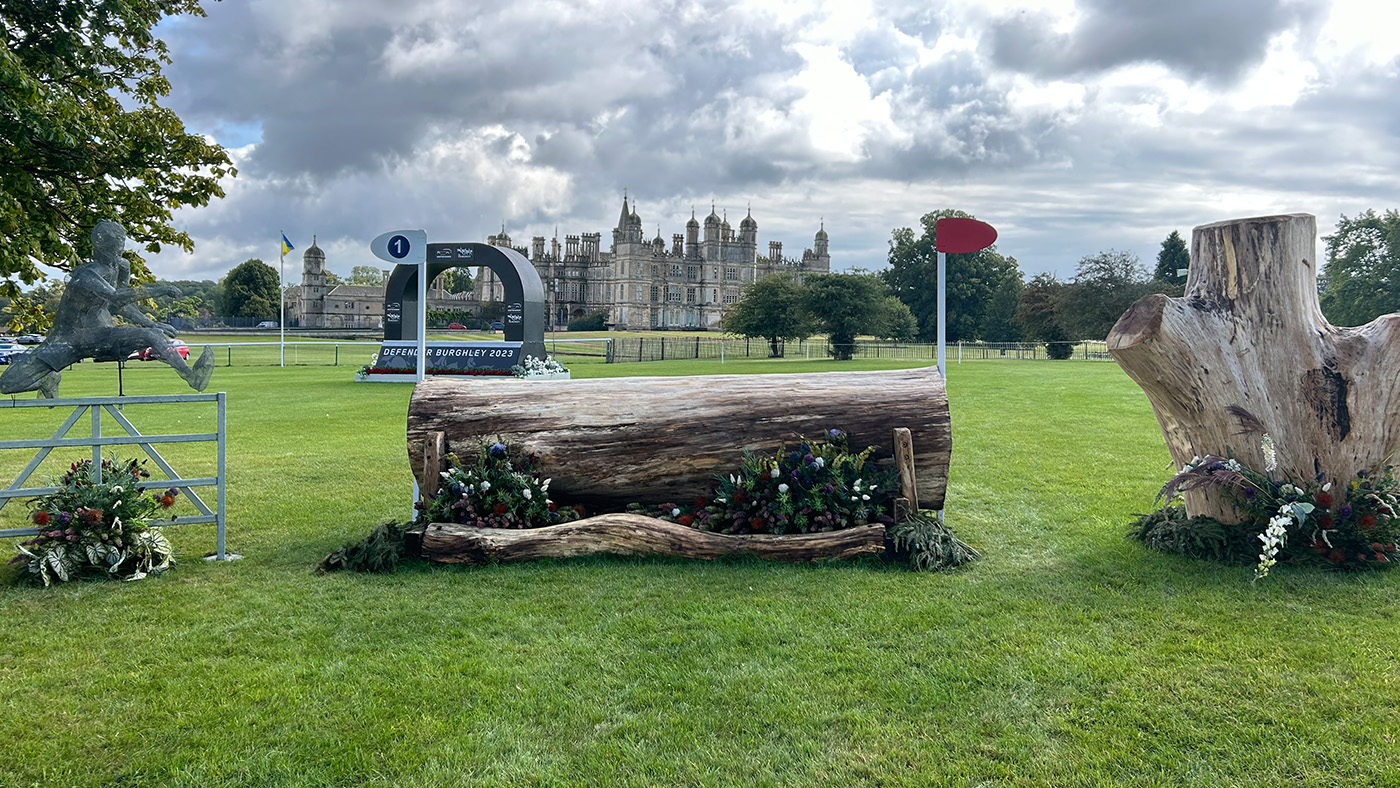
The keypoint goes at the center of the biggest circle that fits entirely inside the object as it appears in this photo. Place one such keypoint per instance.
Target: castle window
(730, 297)
(692, 273)
(655, 270)
(573, 291)
(655, 293)
(673, 294)
(675, 269)
(690, 295)
(715, 296)
(731, 274)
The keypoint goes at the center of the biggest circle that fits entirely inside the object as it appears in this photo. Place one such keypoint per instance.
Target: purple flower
(1363, 473)
(809, 460)
(1249, 493)
(64, 518)
(1345, 511)
(835, 434)
(498, 449)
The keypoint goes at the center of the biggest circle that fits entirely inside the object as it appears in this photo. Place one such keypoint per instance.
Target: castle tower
(775, 252)
(537, 247)
(748, 235)
(692, 235)
(821, 262)
(313, 286)
(712, 236)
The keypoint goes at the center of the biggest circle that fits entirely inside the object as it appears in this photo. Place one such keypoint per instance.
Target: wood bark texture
(610, 442)
(1247, 352)
(632, 534)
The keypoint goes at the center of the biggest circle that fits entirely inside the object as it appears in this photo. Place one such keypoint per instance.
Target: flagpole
(282, 297)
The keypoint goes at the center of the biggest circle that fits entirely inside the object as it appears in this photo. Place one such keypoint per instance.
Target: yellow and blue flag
(286, 245)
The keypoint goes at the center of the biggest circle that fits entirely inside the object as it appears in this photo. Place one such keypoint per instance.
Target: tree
(365, 275)
(999, 318)
(82, 136)
(1362, 271)
(773, 308)
(456, 280)
(250, 290)
(1104, 286)
(847, 305)
(1037, 314)
(896, 321)
(1173, 257)
(971, 279)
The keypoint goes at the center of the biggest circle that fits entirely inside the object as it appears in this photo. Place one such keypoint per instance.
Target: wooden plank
(904, 460)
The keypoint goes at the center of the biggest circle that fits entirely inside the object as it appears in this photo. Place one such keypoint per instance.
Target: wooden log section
(1247, 352)
(610, 442)
(632, 534)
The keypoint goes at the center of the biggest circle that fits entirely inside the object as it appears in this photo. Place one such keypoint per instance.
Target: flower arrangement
(806, 487)
(1349, 525)
(532, 367)
(495, 491)
(97, 528)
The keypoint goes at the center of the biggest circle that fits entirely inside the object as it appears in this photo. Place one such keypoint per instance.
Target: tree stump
(1247, 352)
(608, 442)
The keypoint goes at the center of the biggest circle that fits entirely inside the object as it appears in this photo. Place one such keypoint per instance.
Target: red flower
(167, 501)
(500, 508)
(702, 502)
(1324, 499)
(756, 523)
(1377, 546)
(1368, 521)
(578, 507)
(685, 519)
(1336, 556)
(553, 507)
(1381, 557)
(1326, 521)
(41, 517)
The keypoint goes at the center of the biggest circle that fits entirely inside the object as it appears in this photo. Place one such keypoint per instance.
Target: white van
(268, 324)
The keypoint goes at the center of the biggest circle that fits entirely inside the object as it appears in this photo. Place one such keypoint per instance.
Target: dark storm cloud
(1203, 39)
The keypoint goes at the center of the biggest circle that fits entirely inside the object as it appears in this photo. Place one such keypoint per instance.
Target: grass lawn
(1068, 656)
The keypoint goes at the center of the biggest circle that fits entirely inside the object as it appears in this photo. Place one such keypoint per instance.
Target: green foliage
(594, 321)
(1037, 314)
(1104, 286)
(1172, 258)
(250, 290)
(896, 322)
(1345, 525)
(379, 552)
(366, 275)
(807, 487)
(439, 318)
(97, 528)
(927, 545)
(33, 310)
(455, 280)
(971, 280)
(999, 320)
(1202, 538)
(495, 491)
(83, 137)
(1362, 272)
(847, 305)
(773, 308)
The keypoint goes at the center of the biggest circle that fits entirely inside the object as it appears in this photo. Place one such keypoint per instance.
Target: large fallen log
(631, 534)
(1247, 352)
(610, 442)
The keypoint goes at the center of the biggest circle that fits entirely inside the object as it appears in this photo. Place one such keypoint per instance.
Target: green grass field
(1068, 656)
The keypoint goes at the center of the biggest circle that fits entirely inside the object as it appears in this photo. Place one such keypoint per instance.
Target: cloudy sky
(1073, 126)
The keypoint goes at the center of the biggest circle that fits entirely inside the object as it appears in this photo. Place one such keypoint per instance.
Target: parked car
(268, 324)
(456, 327)
(10, 349)
(30, 339)
(150, 354)
(497, 325)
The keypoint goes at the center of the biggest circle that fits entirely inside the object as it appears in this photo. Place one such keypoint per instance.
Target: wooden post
(904, 460)
(434, 447)
(1247, 352)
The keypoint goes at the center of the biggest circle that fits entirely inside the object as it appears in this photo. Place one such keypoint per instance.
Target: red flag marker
(962, 236)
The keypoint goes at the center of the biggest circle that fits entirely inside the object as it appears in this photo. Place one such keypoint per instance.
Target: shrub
(1059, 351)
(807, 487)
(381, 551)
(495, 491)
(98, 529)
(1170, 530)
(927, 544)
(593, 321)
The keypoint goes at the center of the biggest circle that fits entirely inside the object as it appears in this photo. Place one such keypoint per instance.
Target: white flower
(871, 488)
(116, 488)
(526, 492)
(820, 462)
(782, 488)
(1270, 454)
(720, 500)
(854, 498)
(1233, 466)
(485, 485)
(1288, 489)
(775, 473)
(865, 497)
(1327, 487)
(446, 474)
(675, 512)
(545, 486)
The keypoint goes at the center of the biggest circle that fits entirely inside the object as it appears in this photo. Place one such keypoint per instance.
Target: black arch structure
(524, 292)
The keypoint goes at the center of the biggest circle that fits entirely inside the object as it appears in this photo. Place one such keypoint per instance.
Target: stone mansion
(647, 284)
(641, 284)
